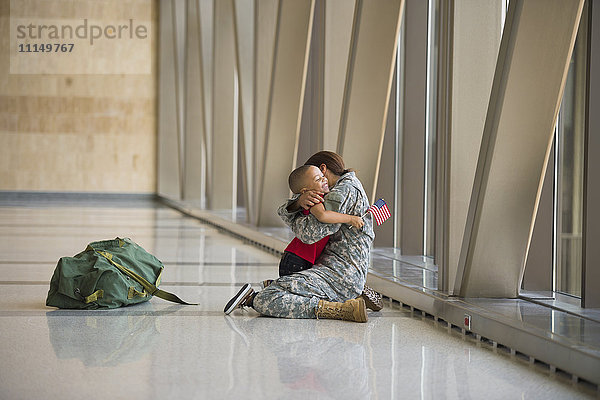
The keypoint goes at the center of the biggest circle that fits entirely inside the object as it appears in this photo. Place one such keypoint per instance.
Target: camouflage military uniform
(340, 271)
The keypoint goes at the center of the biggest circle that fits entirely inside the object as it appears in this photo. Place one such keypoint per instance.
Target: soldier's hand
(309, 199)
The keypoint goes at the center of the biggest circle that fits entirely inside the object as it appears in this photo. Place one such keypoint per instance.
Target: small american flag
(380, 211)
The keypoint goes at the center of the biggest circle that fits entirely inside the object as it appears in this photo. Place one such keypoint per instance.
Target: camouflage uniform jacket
(348, 248)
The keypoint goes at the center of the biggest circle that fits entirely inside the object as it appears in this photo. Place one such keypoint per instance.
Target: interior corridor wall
(79, 132)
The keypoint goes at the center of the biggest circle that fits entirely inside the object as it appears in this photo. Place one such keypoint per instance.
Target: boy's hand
(309, 198)
(356, 221)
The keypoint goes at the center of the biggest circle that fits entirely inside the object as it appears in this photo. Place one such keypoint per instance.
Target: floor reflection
(105, 338)
(323, 359)
(129, 338)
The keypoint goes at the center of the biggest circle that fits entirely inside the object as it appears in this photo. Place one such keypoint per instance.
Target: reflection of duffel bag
(107, 274)
(131, 337)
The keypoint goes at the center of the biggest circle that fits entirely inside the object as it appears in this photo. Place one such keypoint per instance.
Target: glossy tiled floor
(160, 350)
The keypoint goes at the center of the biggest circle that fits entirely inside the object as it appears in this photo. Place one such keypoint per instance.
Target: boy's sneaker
(241, 299)
(372, 299)
(267, 282)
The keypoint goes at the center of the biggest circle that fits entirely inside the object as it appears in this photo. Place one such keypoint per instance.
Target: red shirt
(309, 252)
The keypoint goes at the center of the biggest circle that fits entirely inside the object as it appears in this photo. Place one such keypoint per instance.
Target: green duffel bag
(107, 274)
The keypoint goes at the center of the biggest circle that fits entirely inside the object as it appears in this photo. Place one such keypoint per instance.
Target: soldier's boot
(350, 310)
(372, 299)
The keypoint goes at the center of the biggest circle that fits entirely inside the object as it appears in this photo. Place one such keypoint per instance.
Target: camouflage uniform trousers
(298, 295)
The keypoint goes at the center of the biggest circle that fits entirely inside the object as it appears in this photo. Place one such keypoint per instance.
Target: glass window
(569, 170)
(430, 128)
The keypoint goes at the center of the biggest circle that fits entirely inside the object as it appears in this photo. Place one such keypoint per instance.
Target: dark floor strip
(166, 263)
(107, 225)
(164, 283)
(123, 311)
(172, 311)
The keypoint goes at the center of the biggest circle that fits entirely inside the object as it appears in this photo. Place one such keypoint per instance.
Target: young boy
(299, 256)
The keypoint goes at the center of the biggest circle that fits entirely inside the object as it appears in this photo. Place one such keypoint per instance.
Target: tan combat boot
(351, 310)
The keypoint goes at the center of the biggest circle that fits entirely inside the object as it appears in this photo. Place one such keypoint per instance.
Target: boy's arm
(332, 217)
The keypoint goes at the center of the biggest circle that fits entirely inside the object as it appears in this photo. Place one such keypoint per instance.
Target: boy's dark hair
(296, 178)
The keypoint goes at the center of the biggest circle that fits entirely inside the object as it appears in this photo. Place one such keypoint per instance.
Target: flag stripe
(380, 211)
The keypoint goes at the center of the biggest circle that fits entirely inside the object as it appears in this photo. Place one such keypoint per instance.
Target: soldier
(332, 287)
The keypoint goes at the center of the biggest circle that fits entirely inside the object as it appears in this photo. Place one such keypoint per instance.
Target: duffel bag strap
(149, 287)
